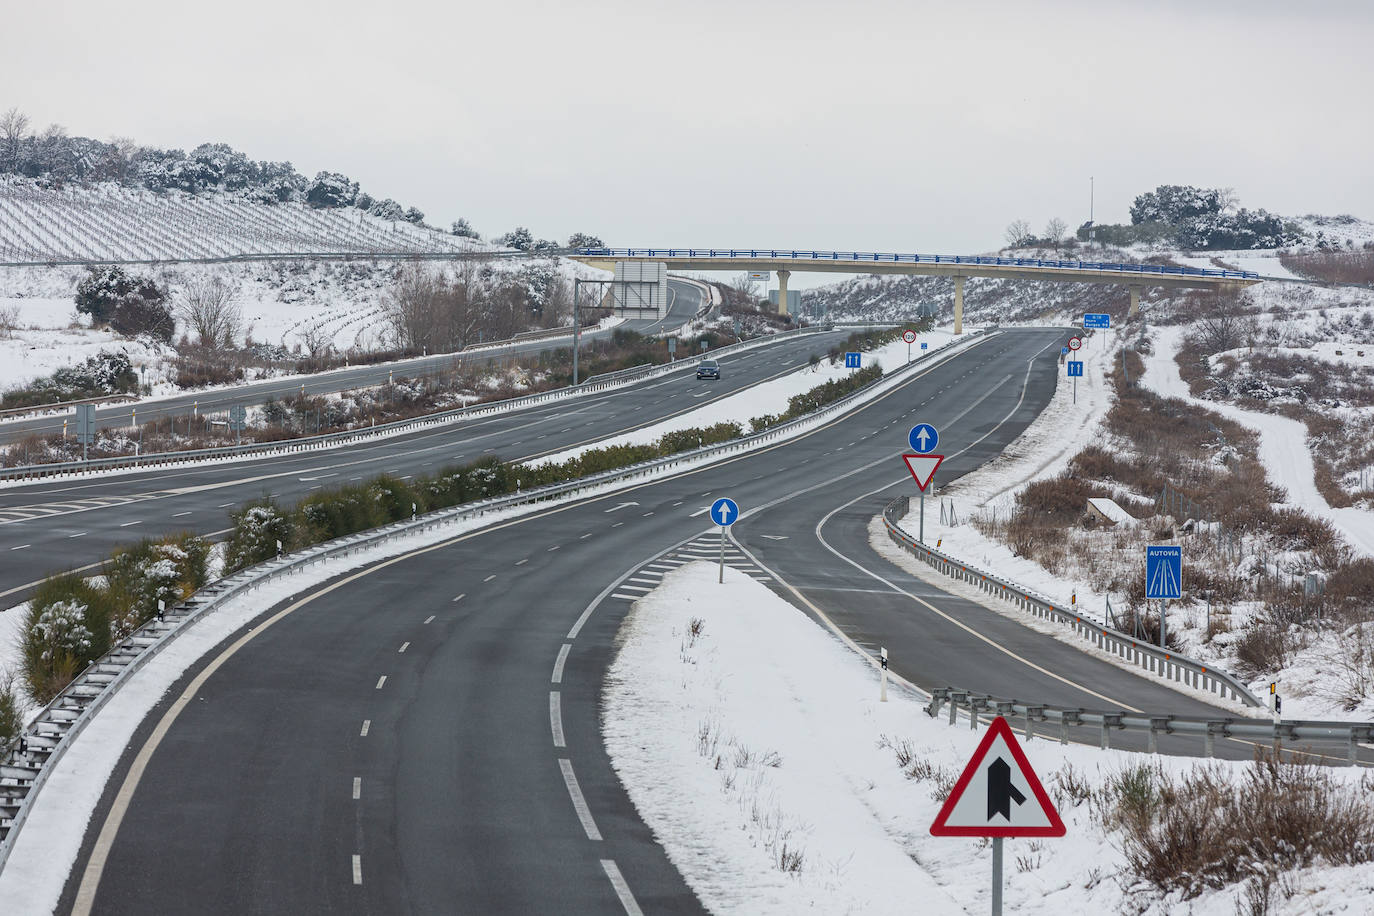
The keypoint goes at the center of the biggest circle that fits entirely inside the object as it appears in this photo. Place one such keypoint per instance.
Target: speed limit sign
(1075, 343)
(909, 336)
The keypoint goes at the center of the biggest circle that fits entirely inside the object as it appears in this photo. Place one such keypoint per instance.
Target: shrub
(68, 627)
(168, 570)
(11, 717)
(1262, 648)
(257, 528)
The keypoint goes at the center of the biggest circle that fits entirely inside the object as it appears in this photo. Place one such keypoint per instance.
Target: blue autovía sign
(1163, 572)
(1095, 320)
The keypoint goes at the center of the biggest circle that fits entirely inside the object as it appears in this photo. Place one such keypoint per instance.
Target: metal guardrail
(1125, 647)
(880, 257)
(418, 254)
(26, 764)
(58, 405)
(1309, 733)
(311, 443)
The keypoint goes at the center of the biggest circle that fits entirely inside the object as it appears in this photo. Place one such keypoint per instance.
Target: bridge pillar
(1135, 301)
(958, 305)
(782, 291)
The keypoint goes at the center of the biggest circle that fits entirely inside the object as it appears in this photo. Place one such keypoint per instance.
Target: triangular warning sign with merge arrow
(998, 794)
(922, 467)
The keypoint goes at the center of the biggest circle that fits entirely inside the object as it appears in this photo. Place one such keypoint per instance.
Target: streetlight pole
(1092, 221)
(577, 287)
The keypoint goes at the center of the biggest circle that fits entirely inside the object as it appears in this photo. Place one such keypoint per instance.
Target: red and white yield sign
(922, 467)
(998, 794)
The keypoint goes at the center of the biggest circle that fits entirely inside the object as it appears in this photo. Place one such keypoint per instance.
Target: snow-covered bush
(68, 626)
(169, 570)
(258, 527)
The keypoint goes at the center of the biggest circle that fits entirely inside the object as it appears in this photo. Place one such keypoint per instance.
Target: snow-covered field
(759, 742)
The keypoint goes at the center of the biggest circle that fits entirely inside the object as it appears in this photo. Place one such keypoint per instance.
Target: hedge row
(260, 526)
(73, 621)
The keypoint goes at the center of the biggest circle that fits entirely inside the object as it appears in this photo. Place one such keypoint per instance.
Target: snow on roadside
(690, 723)
(769, 397)
(1282, 447)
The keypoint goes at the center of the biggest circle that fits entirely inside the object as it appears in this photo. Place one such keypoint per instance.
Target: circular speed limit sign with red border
(1075, 343)
(909, 336)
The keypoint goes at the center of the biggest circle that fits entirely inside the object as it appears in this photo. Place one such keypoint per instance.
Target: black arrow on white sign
(1001, 793)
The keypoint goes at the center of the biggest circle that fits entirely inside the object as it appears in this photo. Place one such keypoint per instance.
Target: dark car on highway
(709, 368)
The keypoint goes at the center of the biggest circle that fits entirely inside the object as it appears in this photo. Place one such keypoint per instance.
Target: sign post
(672, 349)
(1163, 578)
(238, 419)
(910, 337)
(724, 512)
(923, 439)
(85, 428)
(998, 796)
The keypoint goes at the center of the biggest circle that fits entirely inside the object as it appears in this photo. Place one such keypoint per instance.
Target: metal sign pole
(922, 536)
(577, 286)
(722, 555)
(997, 876)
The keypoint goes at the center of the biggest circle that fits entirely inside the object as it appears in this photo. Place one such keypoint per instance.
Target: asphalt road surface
(686, 301)
(423, 734)
(49, 526)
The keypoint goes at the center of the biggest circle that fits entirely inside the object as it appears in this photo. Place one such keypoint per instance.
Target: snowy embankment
(1283, 444)
(769, 397)
(758, 753)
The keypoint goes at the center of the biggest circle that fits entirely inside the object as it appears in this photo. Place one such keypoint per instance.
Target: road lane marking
(367, 726)
(579, 803)
(522, 562)
(357, 787)
(554, 547)
(703, 510)
(461, 597)
(429, 619)
(556, 718)
(20, 547)
(380, 681)
(79, 534)
(617, 524)
(180, 514)
(489, 578)
(404, 646)
(622, 889)
(561, 661)
(127, 524)
(357, 869)
(587, 535)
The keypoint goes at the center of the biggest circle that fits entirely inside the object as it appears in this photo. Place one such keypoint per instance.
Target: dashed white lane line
(558, 665)
(522, 562)
(404, 646)
(367, 727)
(622, 889)
(357, 869)
(429, 619)
(587, 535)
(380, 681)
(702, 511)
(357, 787)
(556, 718)
(554, 547)
(127, 524)
(579, 803)
(617, 524)
(180, 514)
(489, 578)
(224, 505)
(79, 534)
(461, 597)
(20, 547)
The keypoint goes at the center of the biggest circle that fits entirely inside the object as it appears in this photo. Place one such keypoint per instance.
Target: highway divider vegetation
(72, 621)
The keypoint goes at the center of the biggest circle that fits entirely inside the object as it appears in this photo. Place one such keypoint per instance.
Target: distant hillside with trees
(1197, 219)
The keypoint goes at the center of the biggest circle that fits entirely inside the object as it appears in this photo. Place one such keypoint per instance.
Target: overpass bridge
(958, 267)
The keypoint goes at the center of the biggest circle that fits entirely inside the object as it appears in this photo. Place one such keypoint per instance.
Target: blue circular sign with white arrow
(923, 438)
(724, 511)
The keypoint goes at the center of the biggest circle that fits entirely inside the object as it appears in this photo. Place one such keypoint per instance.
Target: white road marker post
(882, 691)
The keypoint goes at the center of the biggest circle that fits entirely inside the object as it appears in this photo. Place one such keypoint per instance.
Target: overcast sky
(898, 126)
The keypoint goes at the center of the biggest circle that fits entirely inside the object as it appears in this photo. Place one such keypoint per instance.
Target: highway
(686, 301)
(48, 526)
(452, 656)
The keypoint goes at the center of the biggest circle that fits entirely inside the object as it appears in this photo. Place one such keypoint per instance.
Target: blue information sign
(1096, 320)
(724, 512)
(924, 345)
(1075, 367)
(851, 360)
(923, 438)
(1163, 572)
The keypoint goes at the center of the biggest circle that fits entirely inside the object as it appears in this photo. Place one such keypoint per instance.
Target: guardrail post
(1110, 720)
(975, 705)
(937, 699)
(1033, 714)
(1067, 718)
(1209, 741)
(1357, 733)
(954, 698)
(1157, 724)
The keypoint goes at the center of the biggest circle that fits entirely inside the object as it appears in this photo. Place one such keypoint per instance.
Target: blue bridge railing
(879, 257)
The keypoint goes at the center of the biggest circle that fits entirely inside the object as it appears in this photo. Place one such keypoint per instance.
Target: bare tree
(13, 126)
(315, 340)
(9, 320)
(1055, 229)
(1223, 323)
(412, 307)
(1018, 233)
(745, 287)
(209, 304)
